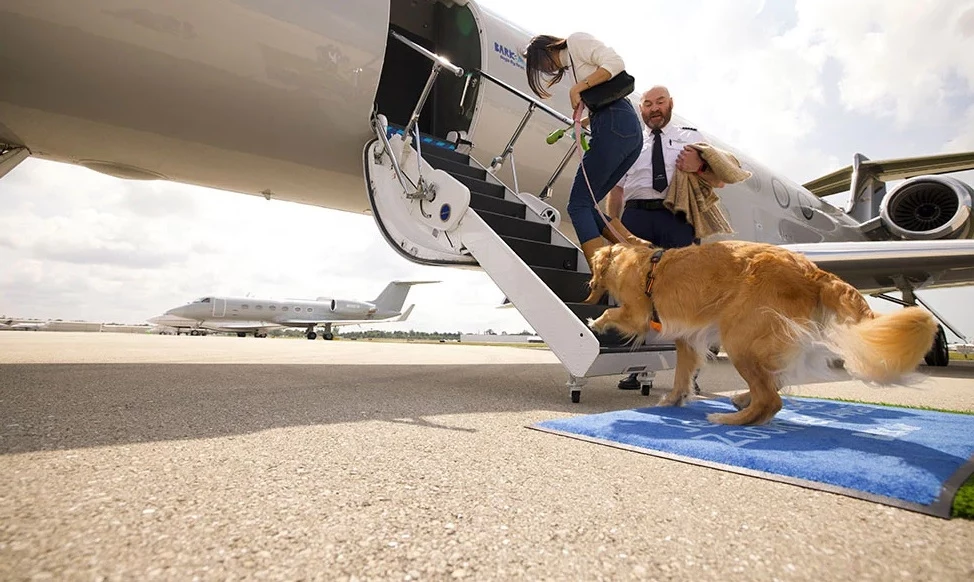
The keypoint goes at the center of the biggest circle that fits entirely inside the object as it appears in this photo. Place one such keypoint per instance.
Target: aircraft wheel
(194, 332)
(312, 335)
(241, 334)
(576, 396)
(645, 388)
(939, 354)
(329, 336)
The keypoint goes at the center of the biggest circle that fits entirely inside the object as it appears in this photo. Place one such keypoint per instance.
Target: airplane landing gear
(241, 334)
(328, 336)
(312, 335)
(939, 354)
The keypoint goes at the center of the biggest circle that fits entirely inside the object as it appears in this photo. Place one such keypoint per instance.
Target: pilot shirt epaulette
(689, 128)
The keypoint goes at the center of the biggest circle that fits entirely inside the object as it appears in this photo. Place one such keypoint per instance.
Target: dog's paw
(596, 324)
(673, 399)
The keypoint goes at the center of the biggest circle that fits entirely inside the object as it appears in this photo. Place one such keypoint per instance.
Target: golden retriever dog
(771, 309)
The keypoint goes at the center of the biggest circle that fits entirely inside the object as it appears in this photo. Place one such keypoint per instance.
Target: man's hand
(689, 160)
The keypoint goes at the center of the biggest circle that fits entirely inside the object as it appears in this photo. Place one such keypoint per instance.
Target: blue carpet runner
(913, 459)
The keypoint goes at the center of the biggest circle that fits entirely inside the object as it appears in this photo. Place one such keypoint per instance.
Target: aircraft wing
(895, 169)
(875, 266)
(337, 322)
(238, 325)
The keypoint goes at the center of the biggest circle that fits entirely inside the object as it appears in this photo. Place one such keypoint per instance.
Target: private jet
(255, 316)
(412, 111)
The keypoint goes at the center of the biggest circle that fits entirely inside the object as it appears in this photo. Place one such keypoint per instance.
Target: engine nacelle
(352, 308)
(929, 208)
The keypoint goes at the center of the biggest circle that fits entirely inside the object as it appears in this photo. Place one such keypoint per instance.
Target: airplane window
(259, 307)
(297, 309)
(206, 300)
(284, 308)
(244, 306)
(273, 308)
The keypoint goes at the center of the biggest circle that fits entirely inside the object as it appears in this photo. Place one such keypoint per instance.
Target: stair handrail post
(549, 185)
(414, 118)
(380, 130)
(498, 161)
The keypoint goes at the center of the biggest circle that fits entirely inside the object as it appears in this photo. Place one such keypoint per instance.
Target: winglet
(405, 314)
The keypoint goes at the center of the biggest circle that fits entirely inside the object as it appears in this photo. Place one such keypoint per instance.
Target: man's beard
(665, 119)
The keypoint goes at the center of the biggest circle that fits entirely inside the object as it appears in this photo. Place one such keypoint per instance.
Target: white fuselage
(274, 99)
(277, 312)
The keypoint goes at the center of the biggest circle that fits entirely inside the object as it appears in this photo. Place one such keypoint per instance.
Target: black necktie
(659, 168)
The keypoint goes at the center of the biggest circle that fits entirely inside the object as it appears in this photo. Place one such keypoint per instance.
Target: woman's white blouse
(589, 53)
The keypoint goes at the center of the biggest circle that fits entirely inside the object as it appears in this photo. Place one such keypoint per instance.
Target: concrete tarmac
(177, 458)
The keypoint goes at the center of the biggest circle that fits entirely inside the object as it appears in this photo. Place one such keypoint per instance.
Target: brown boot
(627, 237)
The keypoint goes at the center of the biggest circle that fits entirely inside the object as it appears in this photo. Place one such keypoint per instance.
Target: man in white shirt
(644, 187)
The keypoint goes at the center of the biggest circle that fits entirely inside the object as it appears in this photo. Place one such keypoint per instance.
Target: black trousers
(650, 220)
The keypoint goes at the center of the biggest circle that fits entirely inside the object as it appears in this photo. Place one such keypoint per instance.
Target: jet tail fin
(394, 295)
(840, 181)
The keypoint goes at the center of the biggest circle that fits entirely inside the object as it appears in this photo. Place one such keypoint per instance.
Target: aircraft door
(219, 307)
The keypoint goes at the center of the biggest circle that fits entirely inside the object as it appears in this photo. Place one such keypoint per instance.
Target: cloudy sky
(800, 85)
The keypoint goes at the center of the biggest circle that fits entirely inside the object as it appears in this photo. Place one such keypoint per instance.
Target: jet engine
(929, 208)
(352, 308)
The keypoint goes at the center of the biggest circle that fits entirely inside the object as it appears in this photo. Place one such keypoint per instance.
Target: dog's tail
(880, 348)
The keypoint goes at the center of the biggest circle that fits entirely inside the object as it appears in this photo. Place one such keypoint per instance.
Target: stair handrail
(443, 61)
(439, 62)
(525, 97)
(533, 104)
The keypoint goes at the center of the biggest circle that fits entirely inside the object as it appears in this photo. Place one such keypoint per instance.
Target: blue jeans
(617, 140)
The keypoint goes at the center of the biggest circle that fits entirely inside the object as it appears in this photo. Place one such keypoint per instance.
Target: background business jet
(256, 316)
(418, 113)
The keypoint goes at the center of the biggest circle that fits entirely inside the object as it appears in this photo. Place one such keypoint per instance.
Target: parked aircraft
(22, 325)
(255, 316)
(425, 102)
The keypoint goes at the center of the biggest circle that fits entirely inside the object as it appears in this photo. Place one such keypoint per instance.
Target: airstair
(437, 206)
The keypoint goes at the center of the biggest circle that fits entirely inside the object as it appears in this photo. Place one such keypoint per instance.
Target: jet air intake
(929, 208)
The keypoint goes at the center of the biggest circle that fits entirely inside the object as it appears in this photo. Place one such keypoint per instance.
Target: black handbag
(597, 97)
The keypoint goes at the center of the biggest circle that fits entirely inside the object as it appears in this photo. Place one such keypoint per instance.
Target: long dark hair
(540, 63)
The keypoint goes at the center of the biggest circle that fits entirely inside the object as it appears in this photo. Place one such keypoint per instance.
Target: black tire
(939, 354)
(329, 336)
(312, 335)
(576, 396)
(645, 388)
(194, 332)
(241, 334)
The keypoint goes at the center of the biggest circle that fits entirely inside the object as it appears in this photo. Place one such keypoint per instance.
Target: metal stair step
(612, 342)
(536, 254)
(497, 205)
(517, 227)
(570, 286)
(481, 186)
(455, 168)
(444, 154)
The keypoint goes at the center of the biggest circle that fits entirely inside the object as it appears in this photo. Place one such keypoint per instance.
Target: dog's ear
(601, 260)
